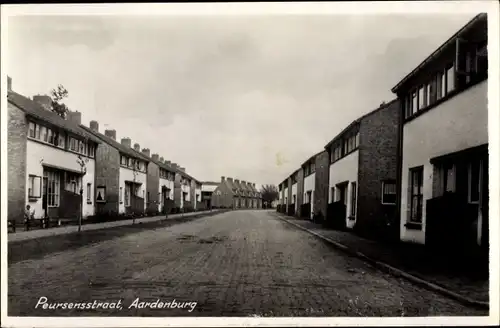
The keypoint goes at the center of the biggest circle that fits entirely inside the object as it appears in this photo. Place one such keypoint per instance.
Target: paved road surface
(239, 263)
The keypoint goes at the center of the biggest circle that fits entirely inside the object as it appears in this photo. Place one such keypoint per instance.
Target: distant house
(236, 194)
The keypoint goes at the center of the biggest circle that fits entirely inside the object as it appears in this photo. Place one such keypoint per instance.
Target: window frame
(420, 195)
(383, 193)
(89, 193)
(31, 180)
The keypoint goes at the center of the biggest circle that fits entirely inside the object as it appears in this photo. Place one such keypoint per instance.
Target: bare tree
(269, 193)
(57, 106)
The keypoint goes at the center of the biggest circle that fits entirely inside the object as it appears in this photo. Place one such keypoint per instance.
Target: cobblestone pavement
(239, 263)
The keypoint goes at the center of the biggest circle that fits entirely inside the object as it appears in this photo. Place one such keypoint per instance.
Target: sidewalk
(404, 260)
(39, 233)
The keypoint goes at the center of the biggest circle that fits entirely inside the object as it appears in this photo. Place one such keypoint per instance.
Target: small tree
(269, 193)
(57, 106)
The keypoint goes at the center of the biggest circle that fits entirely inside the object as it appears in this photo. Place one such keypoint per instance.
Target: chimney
(244, 183)
(155, 157)
(75, 117)
(222, 179)
(9, 83)
(137, 147)
(146, 151)
(126, 142)
(236, 181)
(161, 159)
(168, 162)
(230, 179)
(253, 184)
(182, 169)
(110, 133)
(43, 100)
(94, 125)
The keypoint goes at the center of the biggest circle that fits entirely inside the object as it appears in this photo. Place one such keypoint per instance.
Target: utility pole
(83, 170)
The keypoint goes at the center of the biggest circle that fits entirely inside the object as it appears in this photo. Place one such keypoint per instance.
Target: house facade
(308, 190)
(51, 160)
(121, 174)
(233, 193)
(207, 189)
(443, 172)
(363, 170)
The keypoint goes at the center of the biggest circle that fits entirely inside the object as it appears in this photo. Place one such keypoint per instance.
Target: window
(448, 174)
(91, 150)
(416, 196)
(389, 192)
(408, 104)
(34, 186)
(313, 167)
(332, 194)
(53, 188)
(89, 192)
(294, 199)
(473, 189)
(432, 92)
(450, 79)
(61, 143)
(147, 197)
(127, 195)
(72, 182)
(32, 130)
(43, 133)
(120, 196)
(50, 136)
(414, 102)
(123, 160)
(353, 199)
(130, 162)
(421, 98)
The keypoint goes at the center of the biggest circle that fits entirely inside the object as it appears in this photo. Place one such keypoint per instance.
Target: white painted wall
(38, 153)
(294, 193)
(169, 184)
(346, 169)
(208, 188)
(457, 124)
(128, 175)
(310, 185)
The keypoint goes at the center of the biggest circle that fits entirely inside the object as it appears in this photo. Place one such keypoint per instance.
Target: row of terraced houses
(414, 169)
(64, 169)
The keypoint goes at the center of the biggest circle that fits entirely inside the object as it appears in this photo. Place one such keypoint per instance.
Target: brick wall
(300, 190)
(152, 187)
(177, 190)
(107, 174)
(192, 194)
(321, 183)
(378, 156)
(16, 159)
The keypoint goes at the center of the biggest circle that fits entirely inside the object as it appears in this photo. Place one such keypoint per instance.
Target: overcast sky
(247, 97)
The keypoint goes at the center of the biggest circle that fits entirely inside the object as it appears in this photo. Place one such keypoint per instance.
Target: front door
(44, 196)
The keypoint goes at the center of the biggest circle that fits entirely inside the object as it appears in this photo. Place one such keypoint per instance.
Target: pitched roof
(210, 183)
(34, 109)
(482, 17)
(358, 120)
(115, 144)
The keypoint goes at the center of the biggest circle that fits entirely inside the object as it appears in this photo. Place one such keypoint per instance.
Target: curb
(396, 272)
(137, 223)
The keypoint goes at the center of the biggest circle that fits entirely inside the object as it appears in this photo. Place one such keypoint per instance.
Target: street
(238, 263)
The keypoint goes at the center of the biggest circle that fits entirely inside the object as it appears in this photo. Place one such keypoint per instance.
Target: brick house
(363, 171)
(443, 171)
(307, 183)
(319, 203)
(50, 161)
(236, 194)
(160, 183)
(121, 174)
